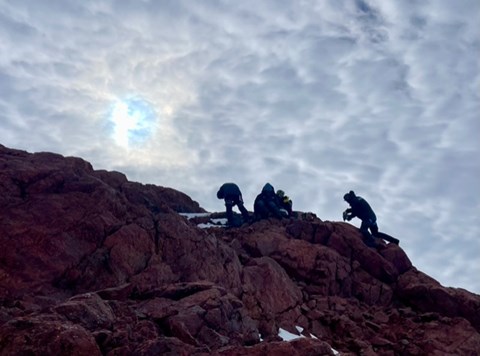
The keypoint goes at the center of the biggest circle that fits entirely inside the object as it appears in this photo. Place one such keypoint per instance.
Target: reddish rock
(46, 336)
(427, 295)
(94, 264)
(87, 310)
(264, 274)
(397, 257)
(120, 292)
(297, 347)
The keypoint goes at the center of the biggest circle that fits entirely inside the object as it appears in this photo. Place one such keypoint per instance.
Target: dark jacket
(267, 194)
(228, 190)
(359, 207)
(266, 203)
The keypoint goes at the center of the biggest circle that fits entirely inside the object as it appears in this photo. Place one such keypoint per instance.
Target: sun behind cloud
(145, 136)
(133, 122)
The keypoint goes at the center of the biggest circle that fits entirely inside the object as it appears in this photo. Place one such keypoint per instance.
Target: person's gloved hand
(347, 216)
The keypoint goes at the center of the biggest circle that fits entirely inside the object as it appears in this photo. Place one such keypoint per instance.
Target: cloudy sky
(315, 97)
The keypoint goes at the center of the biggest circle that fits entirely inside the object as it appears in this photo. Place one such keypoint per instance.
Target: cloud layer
(316, 98)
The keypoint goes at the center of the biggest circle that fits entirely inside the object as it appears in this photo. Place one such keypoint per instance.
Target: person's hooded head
(349, 196)
(268, 189)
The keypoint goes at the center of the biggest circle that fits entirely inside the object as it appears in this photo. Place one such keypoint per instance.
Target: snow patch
(288, 336)
(211, 223)
(219, 221)
(208, 225)
(194, 215)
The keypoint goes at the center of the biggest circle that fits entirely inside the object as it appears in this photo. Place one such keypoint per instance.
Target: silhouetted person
(230, 192)
(266, 203)
(361, 209)
(284, 202)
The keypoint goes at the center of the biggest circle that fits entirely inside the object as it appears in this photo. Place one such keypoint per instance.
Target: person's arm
(348, 214)
(351, 213)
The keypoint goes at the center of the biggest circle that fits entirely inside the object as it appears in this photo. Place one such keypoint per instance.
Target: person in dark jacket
(230, 192)
(361, 209)
(266, 203)
(284, 202)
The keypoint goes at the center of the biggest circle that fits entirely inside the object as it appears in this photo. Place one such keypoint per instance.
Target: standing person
(361, 209)
(230, 192)
(266, 203)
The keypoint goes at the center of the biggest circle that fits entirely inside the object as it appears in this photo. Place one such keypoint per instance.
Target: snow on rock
(194, 215)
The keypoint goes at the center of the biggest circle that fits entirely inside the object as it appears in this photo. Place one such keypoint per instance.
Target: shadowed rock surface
(92, 264)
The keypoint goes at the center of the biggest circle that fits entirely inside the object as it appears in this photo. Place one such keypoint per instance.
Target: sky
(315, 97)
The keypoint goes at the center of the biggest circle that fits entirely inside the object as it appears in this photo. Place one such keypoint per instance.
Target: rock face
(92, 264)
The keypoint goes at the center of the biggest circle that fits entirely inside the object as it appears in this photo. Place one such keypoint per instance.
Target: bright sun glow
(133, 121)
(124, 122)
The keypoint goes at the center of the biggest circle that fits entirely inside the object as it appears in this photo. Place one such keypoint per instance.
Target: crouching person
(266, 204)
(361, 209)
(284, 202)
(232, 196)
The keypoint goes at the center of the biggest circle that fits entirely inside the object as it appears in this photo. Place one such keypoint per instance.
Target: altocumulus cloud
(317, 98)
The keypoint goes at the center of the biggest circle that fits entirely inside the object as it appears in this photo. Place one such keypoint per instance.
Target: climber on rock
(232, 196)
(266, 204)
(284, 202)
(360, 208)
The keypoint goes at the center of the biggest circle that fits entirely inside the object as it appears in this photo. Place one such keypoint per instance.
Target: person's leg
(289, 210)
(245, 214)
(261, 211)
(238, 201)
(369, 240)
(386, 237)
(273, 209)
(228, 206)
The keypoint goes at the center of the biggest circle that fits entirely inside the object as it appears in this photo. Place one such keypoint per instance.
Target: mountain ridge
(95, 264)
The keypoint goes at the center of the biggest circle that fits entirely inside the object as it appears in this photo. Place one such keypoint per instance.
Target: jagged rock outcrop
(92, 264)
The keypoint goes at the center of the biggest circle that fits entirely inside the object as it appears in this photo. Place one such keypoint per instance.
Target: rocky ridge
(92, 263)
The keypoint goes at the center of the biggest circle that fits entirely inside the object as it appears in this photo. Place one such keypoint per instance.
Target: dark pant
(264, 209)
(369, 237)
(230, 202)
